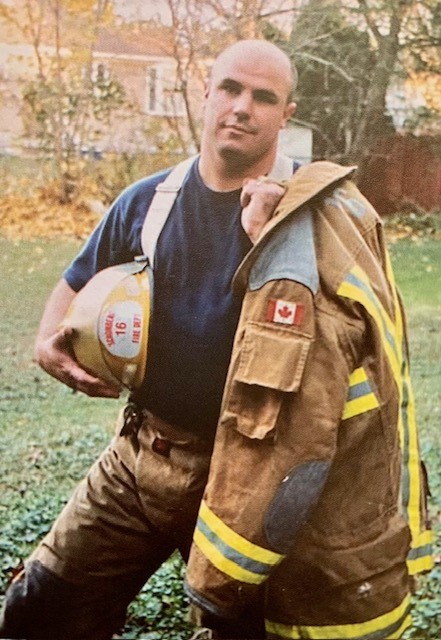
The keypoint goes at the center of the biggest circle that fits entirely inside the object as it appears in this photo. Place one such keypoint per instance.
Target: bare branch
(366, 12)
(327, 63)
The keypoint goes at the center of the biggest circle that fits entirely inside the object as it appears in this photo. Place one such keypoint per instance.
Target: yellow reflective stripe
(408, 439)
(407, 622)
(426, 537)
(375, 309)
(359, 405)
(397, 307)
(282, 630)
(413, 463)
(235, 540)
(412, 453)
(420, 565)
(357, 376)
(421, 555)
(365, 400)
(222, 563)
(357, 631)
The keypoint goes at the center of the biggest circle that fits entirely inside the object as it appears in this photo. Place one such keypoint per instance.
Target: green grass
(49, 436)
(418, 273)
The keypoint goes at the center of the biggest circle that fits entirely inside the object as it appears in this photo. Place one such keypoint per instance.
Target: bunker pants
(138, 503)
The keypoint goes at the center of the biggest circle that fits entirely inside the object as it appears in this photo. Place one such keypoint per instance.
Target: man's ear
(290, 110)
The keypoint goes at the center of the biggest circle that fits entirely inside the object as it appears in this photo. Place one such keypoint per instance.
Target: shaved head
(260, 51)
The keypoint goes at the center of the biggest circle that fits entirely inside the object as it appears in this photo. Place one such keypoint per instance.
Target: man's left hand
(259, 199)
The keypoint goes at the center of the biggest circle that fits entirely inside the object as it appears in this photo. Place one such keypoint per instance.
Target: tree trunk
(372, 120)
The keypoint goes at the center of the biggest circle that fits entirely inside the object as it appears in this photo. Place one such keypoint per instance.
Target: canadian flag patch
(285, 312)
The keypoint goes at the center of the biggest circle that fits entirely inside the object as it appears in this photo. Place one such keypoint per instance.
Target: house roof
(140, 42)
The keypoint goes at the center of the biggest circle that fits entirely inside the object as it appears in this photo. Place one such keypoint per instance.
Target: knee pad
(34, 602)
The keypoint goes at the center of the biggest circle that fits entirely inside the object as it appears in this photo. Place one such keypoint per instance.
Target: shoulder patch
(285, 312)
(288, 254)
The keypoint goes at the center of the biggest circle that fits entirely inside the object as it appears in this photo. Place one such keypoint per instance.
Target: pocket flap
(272, 357)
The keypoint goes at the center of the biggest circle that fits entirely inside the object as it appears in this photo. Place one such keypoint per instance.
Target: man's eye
(231, 87)
(265, 96)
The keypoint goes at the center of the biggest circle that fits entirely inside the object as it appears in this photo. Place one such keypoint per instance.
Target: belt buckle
(133, 417)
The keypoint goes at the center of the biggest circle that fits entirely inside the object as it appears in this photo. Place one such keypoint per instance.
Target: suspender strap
(282, 168)
(166, 194)
(160, 207)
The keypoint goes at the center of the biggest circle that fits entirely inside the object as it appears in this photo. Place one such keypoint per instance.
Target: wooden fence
(403, 171)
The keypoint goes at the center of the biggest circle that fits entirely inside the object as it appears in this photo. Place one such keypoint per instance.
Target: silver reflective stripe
(160, 207)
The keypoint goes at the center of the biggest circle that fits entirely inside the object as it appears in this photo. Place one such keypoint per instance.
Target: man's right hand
(53, 348)
(55, 355)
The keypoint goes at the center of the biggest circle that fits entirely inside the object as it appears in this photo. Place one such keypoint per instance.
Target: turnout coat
(316, 500)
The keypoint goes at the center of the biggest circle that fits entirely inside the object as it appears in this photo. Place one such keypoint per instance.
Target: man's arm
(53, 349)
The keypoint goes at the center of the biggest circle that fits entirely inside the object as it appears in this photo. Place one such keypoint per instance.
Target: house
(144, 64)
(141, 59)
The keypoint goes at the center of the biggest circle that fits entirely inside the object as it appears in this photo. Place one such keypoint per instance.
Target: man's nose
(243, 104)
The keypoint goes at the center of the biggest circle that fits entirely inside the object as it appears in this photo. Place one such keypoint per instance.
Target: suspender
(282, 168)
(167, 192)
(161, 205)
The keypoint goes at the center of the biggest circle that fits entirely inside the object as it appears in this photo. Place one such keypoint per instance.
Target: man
(301, 529)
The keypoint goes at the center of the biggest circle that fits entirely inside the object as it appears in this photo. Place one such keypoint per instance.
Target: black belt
(134, 416)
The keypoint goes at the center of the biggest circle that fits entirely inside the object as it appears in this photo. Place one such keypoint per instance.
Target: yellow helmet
(110, 316)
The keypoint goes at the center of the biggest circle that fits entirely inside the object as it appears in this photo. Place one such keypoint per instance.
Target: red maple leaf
(285, 312)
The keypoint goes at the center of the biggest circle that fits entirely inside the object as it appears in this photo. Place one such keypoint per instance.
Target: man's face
(246, 106)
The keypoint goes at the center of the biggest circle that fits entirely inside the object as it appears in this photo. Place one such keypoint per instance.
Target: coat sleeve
(283, 403)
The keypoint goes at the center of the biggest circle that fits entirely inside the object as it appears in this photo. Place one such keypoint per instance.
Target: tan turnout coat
(316, 499)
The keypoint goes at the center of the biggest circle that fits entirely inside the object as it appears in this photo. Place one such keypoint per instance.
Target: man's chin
(235, 156)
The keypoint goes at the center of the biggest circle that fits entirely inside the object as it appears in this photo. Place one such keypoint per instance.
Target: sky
(143, 9)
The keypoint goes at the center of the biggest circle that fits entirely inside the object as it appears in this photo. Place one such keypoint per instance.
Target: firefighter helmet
(110, 317)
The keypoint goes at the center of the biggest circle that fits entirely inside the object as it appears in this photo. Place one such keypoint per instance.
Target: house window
(100, 72)
(163, 98)
(153, 90)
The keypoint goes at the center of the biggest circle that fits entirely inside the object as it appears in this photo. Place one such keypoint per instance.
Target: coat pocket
(271, 363)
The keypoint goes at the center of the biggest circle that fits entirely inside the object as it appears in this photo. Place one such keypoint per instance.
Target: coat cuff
(205, 610)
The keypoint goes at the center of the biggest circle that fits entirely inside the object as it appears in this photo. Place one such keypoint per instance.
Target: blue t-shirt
(195, 311)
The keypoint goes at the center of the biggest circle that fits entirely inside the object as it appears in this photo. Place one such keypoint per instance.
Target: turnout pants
(138, 503)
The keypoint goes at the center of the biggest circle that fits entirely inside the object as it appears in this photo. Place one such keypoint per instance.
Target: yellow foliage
(429, 84)
(41, 215)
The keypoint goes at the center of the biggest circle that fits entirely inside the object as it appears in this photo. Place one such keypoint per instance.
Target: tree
(71, 100)
(384, 21)
(333, 58)
(422, 59)
(348, 54)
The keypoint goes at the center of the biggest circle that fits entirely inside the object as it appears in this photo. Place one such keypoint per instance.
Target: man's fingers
(63, 365)
(81, 380)
(259, 200)
(263, 188)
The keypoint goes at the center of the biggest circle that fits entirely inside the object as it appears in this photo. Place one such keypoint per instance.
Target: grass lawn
(49, 436)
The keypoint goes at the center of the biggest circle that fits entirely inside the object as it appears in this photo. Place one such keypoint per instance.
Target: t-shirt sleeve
(117, 237)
